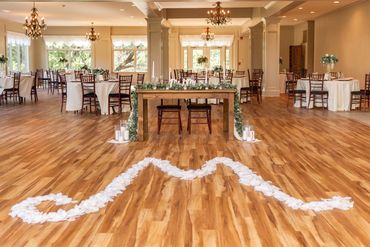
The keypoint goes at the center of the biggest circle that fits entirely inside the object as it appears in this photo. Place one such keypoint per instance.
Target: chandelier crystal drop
(33, 25)
(218, 16)
(207, 35)
(92, 35)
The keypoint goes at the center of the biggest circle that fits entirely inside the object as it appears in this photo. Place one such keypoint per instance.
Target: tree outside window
(18, 59)
(68, 56)
(130, 57)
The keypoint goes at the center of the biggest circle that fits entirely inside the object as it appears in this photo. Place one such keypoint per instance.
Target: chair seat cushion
(299, 91)
(89, 94)
(169, 107)
(199, 107)
(356, 92)
(124, 95)
(319, 92)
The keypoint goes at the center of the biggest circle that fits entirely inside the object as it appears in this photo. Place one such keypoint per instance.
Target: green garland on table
(133, 119)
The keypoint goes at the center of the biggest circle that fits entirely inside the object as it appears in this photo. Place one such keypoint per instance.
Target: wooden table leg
(140, 126)
(145, 119)
(225, 116)
(231, 117)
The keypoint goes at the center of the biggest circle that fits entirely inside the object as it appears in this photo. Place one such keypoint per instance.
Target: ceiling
(125, 13)
(310, 10)
(76, 13)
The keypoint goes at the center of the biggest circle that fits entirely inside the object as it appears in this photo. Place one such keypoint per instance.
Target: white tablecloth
(282, 79)
(25, 85)
(339, 93)
(241, 81)
(102, 90)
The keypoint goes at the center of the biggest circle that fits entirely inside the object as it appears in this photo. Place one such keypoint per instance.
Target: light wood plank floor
(309, 154)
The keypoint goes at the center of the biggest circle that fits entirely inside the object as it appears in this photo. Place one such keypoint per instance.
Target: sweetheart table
(226, 94)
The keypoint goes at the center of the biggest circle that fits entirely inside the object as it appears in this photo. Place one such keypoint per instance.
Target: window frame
(135, 50)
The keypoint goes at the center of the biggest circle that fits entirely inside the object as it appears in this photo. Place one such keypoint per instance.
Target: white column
(157, 48)
(271, 47)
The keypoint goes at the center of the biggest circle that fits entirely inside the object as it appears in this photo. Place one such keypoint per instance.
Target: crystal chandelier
(207, 35)
(218, 16)
(92, 35)
(33, 25)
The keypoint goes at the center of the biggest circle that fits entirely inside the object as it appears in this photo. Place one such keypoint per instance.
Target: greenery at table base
(133, 118)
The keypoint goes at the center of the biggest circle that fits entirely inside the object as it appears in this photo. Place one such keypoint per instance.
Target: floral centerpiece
(84, 67)
(329, 61)
(218, 68)
(98, 71)
(3, 61)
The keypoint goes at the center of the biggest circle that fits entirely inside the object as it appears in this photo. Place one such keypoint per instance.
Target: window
(17, 52)
(227, 58)
(185, 58)
(214, 57)
(130, 53)
(196, 54)
(68, 52)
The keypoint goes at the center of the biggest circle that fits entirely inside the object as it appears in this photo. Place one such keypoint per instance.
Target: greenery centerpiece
(329, 61)
(98, 71)
(133, 118)
(84, 67)
(3, 61)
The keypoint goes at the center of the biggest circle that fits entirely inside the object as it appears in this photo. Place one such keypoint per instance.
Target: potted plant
(329, 61)
(3, 61)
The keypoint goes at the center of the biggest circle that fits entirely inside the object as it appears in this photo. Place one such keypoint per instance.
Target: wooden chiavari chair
(34, 88)
(254, 88)
(123, 97)
(292, 91)
(361, 97)
(14, 91)
(140, 78)
(63, 87)
(78, 74)
(316, 85)
(89, 97)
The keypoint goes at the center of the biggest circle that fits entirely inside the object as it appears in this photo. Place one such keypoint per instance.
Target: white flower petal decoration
(27, 209)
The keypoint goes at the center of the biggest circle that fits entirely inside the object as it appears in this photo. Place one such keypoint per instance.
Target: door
(296, 58)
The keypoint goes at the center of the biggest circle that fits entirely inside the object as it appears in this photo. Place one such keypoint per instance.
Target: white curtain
(137, 40)
(197, 41)
(17, 39)
(80, 41)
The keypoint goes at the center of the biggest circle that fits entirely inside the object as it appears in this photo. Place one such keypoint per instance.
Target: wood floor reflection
(309, 154)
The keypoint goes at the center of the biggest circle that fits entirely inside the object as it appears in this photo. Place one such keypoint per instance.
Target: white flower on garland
(27, 209)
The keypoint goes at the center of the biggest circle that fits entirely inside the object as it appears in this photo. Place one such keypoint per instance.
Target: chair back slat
(87, 83)
(16, 80)
(125, 82)
(367, 82)
(63, 82)
(316, 82)
(140, 78)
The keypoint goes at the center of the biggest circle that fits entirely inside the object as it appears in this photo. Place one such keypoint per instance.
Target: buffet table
(339, 93)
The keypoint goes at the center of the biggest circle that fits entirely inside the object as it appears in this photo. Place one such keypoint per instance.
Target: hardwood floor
(309, 154)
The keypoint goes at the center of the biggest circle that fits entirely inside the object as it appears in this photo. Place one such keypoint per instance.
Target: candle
(206, 80)
(117, 133)
(153, 70)
(245, 134)
(252, 137)
(126, 135)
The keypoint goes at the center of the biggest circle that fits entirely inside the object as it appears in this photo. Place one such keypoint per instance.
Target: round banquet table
(25, 85)
(102, 90)
(339, 93)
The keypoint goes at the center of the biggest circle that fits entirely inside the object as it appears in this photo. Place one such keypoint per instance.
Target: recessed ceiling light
(283, 16)
(312, 12)
(336, 2)
(122, 10)
(6, 11)
(295, 19)
(300, 8)
(132, 16)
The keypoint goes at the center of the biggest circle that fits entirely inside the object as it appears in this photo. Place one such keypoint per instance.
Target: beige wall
(286, 40)
(345, 33)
